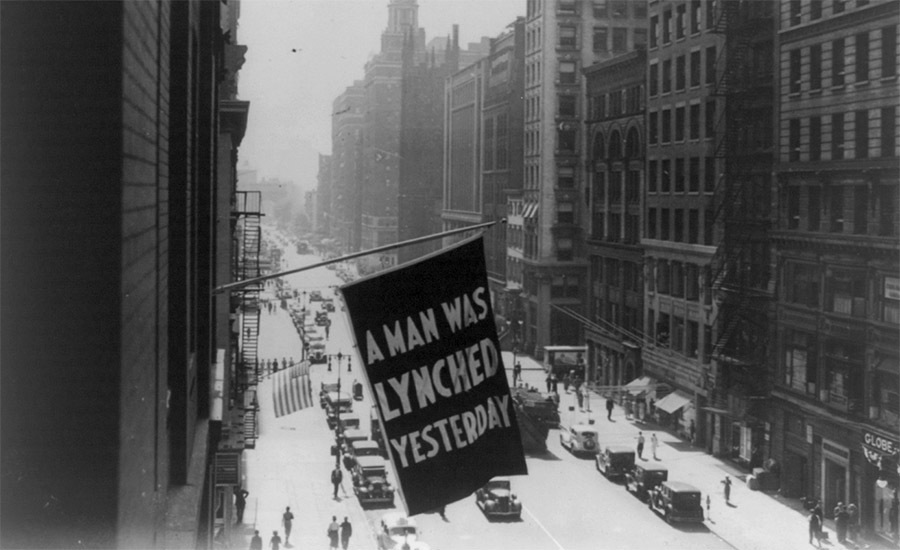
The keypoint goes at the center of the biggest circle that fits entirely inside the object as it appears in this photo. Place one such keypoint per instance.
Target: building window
(663, 326)
(654, 31)
(709, 174)
(695, 69)
(564, 250)
(599, 8)
(691, 281)
(679, 225)
(793, 207)
(836, 208)
(653, 129)
(567, 104)
(710, 14)
(662, 277)
(710, 119)
(566, 6)
(889, 51)
(709, 233)
(862, 57)
(565, 213)
(640, 37)
(860, 209)
(565, 176)
(620, 39)
(814, 211)
(654, 79)
(695, 121)
(679, 124)
(680, 20)
(800, 356)
(888, 131)
(666, 174)
(680, 72)
(695, 16)
(678, 334)
(815, 9)
(567, 36)
(600, 39)
(567, 140)
(861, 134)
(667, 26)
(794, 139)
(711, 65)
(887, 210)
(815, 138)
(845, 292)
(679, 175)
(837, 62)
(693, 339)
(837, 136)
(652, 175)
(815, 67)
(803, 284)
(619, 9)
(795, 71)
(837, 6)
(567, 72)
(665, 227)
(667, 76)
(796, 8)
(694, 175)
(666, 126)
(640, 10)
(651, 223)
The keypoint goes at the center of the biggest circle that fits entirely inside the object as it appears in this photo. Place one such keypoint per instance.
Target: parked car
(397, 530)
(315, 296)
(365, 447)
(615, 461)
(676, 502)
(579, 438)
(496, 499)
(370, 482)
(328, 304)
(644, 477)
(316, 353)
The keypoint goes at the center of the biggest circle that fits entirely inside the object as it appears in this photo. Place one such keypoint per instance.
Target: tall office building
(837, 243)
(562, 38)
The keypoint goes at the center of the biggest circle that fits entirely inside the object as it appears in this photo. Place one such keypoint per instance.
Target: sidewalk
(753, 521)
(292, 462)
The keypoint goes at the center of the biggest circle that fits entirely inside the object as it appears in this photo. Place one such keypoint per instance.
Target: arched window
(615, 145)
(598, 152)
(633, 144)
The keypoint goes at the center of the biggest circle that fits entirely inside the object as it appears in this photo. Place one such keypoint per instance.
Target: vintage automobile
(497, 500)
(370, 482)
(335, 402)
(676, 502)
(644, 477)
(348, 436)
(321, 318)
(316, 353)
(315, 296)
(398, 531)
(615, 461)
(365, 447)
(349, 421)
(579, 438)
(328, 304)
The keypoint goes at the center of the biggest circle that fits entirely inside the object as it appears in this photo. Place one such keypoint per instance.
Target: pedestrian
(815, 529)
(240, 502)
(840, 522)
(549, 382)
(727, 483)
(568, 381)
(287, 520)
(517, 373)
(609, 408)
(640, 445)
(256, 541)
(654, 443)
(853, 521)
(579, 395)
(334, 531)
(693, 431)
(336, 477)
(346, 531)
(275, 541)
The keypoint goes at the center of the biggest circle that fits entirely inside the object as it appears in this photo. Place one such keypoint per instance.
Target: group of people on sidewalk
(846, 524)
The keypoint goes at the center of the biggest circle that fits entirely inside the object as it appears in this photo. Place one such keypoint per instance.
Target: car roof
(619, 449)
(584, 428)
(681, 487)
(652, 467)
(370, 461)
(397, 519)
(354, 433)
(364, 444)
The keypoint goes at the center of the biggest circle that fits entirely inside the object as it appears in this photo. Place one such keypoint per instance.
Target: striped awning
(292, 390)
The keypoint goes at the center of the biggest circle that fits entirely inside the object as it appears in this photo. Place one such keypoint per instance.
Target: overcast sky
(304, 53)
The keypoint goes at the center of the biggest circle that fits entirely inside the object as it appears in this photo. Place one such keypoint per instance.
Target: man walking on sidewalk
(640, 445)
(287, 519)
(609, 408)
(727, 483)
(517, 373)
(336, 477)
(346, 531)
(654, 443)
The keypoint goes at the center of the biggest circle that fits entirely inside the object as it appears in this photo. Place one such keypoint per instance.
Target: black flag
(426, 336)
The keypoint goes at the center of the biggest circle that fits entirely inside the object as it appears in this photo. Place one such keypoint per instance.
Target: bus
(560, 360)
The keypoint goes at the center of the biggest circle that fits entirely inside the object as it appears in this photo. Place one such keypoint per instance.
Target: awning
(716, 410)
(673, 402)
(640, 385)
(530, 210)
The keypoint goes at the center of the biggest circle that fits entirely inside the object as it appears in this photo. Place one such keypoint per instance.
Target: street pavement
(291, 463)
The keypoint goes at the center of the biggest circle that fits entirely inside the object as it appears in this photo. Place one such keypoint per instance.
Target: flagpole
(417, 240)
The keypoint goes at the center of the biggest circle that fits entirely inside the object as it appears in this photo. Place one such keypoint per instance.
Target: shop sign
(876, 446)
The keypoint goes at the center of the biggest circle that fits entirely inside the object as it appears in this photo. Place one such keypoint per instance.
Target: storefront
(883, 477)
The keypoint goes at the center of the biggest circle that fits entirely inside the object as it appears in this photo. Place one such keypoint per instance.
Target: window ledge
(861, 84)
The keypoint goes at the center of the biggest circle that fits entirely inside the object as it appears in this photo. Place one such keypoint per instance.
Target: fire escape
(247, 240)
(741, 275)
